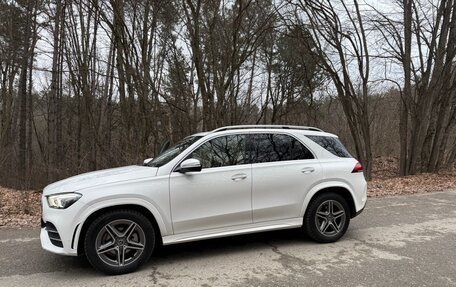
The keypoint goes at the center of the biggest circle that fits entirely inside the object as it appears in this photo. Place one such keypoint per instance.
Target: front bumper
(59, 228)
(46, 244)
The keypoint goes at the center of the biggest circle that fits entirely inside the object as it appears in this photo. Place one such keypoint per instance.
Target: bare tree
(23, 90)
(90, 84)
(340, 37)
(54, 125)
(11, 51)
(222, 40)
(427, 107)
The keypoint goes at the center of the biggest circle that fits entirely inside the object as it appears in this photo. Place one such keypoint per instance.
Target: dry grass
(22, 208)
(19, 208)
(421, 183)
(387, 182)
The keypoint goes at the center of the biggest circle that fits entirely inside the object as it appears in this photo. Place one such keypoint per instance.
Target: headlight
(62, 200)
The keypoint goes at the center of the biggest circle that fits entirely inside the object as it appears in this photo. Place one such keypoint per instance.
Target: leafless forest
(91, 84)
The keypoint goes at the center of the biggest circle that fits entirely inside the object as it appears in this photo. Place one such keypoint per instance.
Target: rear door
(283, 171)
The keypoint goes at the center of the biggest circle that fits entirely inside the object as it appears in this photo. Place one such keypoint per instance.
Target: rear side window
(277, 147)
(331, 144)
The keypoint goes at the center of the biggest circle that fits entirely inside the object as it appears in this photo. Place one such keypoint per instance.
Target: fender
(100, 204)
(323, 185)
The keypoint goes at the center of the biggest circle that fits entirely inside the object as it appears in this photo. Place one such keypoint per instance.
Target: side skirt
(233, 230)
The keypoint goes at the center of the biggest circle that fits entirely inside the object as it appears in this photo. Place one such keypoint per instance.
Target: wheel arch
(341, 189)
(95, 214)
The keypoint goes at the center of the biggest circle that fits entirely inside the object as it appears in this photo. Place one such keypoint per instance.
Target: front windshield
(173, 151)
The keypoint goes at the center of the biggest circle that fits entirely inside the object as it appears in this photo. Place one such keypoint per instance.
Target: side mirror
(189, 165)
(147, 160)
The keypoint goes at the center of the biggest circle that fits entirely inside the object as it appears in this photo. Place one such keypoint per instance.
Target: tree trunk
(22, 166)
(54, 93)
(407, 94)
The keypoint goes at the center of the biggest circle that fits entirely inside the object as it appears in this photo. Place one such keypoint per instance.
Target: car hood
(100, 177)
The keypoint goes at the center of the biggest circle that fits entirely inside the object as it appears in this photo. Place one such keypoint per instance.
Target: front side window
(172, 152)
(222, 151)
(277, 147)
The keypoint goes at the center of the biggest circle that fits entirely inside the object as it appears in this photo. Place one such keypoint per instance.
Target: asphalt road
(397, 241)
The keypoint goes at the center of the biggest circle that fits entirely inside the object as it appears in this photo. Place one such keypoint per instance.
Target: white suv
(233, 180)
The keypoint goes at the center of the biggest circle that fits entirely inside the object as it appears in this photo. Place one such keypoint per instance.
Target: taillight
(358, 168)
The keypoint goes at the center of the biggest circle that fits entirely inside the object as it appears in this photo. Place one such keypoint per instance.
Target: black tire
(334, 226)
(119, 241)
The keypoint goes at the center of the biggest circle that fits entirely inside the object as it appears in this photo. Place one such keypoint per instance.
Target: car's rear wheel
(327, 217)
(118, 242)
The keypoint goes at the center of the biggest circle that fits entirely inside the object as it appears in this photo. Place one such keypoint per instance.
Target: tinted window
(277, 147)
(222, 151)
(331, 144)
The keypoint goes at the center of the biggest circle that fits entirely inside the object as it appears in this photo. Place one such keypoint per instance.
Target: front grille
(53, 234)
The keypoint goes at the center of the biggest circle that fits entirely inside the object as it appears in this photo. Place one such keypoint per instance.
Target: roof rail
(266, 127)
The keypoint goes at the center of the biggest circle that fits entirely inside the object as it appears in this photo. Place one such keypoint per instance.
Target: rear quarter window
(331, 144)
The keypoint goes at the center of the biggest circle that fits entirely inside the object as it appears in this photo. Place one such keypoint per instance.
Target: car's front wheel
(327, 217)
(119, 241)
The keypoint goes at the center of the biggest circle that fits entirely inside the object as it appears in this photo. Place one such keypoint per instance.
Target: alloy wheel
(120, 242)
(330, 217)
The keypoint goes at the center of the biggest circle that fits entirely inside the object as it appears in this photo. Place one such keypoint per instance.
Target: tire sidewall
(100, 222)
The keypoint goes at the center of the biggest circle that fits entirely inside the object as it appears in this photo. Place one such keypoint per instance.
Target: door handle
(238, 177)
(308, 170)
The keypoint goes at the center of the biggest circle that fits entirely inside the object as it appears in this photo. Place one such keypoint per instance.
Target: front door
(217, 196)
